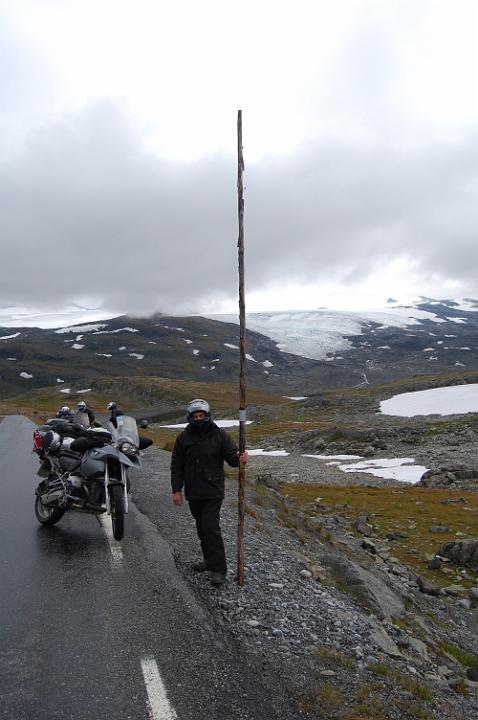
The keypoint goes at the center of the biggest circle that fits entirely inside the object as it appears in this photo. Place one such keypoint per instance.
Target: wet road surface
(92, 628)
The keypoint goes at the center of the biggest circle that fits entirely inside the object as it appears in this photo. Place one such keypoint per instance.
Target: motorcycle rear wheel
(47, 516)
(117, 511)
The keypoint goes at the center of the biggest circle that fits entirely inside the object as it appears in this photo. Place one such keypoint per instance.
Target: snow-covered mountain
(291, 353)
(322, 334)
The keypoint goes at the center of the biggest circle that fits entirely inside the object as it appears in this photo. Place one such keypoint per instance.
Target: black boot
(200, 566)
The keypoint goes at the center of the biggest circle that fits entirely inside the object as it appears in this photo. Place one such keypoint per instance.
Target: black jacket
(197, 462)
(90, 413)
(114, 415)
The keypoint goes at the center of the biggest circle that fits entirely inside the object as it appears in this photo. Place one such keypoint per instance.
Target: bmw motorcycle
(85, 470)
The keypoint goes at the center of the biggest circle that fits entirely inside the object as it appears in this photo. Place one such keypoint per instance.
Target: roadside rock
(473, 595)
(456, 475)
(461, 552)
(367, 588)
(428, 587)
(472, 622)
(268, 480)
(383, 641)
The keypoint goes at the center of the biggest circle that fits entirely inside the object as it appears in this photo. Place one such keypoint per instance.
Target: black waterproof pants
(206, 514)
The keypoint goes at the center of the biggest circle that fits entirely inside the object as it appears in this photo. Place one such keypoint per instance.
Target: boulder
(472, 622)
(268, 480)
(454, 590)
(473, 595)
(462, 552)
(370, 590)
(428, 587)
(382, 640)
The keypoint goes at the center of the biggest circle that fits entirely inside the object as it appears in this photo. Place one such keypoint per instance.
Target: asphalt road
(92, 628)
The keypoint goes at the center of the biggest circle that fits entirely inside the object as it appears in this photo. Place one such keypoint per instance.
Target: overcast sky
(118, 152)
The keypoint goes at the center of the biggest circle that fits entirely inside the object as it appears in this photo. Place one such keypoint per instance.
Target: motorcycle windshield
(127, 430)
(82, 418)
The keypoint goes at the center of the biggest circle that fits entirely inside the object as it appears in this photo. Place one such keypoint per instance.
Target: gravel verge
(332, 654)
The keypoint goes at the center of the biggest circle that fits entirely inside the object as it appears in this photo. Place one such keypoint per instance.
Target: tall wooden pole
(242, 353)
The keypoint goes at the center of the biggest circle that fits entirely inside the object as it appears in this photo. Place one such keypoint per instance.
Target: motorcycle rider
(197, 464)
(84, 409)
(115, 412)
(66, 414)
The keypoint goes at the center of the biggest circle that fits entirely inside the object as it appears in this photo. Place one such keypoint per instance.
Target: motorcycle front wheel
(117, 510)
(47, 516)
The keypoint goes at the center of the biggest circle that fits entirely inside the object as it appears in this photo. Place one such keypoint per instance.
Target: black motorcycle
(85, 470)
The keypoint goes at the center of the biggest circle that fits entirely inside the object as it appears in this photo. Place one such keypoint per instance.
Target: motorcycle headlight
(128, 448)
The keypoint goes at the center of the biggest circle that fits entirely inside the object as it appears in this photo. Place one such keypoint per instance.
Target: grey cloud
(87, 212)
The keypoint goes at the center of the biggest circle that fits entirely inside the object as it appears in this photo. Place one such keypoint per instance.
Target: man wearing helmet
(65, 413)
(197, 465)
(115, 412)
(83, 409)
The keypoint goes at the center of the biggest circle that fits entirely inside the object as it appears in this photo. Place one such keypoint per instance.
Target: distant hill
(189, 348)
(294, 353)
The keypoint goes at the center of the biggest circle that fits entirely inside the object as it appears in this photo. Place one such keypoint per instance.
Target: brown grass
(413, 510)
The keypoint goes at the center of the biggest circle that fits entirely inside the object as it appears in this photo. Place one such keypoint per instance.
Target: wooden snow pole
(242, 355)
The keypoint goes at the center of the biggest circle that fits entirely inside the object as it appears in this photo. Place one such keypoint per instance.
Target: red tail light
(37, 441)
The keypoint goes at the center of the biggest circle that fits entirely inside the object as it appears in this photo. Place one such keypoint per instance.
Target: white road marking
(114, 545)
(159, 706)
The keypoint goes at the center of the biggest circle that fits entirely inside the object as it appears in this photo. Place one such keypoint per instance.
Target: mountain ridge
(355, 348)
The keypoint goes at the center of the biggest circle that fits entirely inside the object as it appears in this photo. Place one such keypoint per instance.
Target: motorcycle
(85, 470)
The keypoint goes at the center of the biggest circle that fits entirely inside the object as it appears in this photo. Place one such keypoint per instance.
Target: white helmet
(198, 405)
(82, 405)
(65, 409)
(111, 406)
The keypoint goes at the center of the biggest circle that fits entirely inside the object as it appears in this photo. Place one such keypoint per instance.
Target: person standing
(83, 409)
(114, 412)
(197, 466)
(66, 414)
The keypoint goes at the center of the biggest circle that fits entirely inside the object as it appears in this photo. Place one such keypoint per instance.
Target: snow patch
(401, 469)
(9, 337)
(233, 347)
(271, 453)
(75, 346)
(81, 328)
(136, 355)
(113, 332)
(454, 400)
(187, 341)
(25, 375)
(267, 364)
(79, 392)
(104, 354)
(335, 457)
(297, 397)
